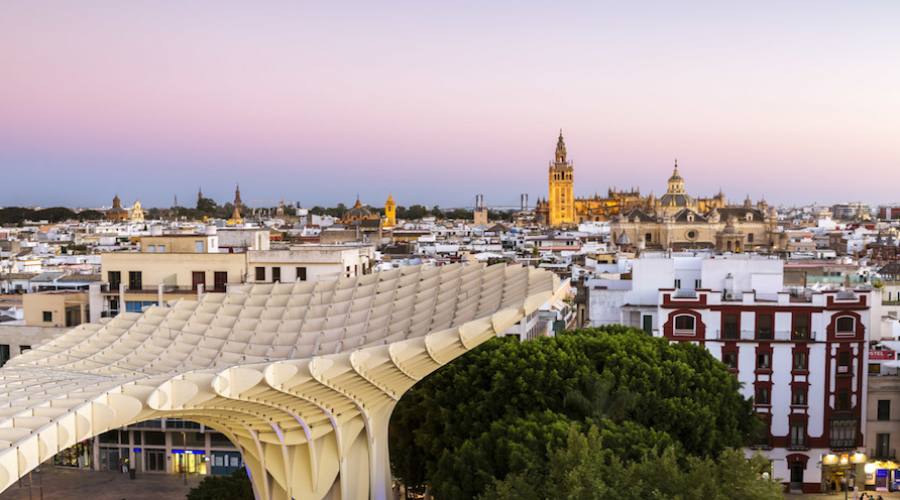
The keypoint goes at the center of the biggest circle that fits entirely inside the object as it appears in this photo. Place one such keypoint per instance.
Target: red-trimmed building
(800, 354)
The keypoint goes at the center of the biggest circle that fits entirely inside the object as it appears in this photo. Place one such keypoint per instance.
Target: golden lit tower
(236, 214)
(562, 188)
(390, 212)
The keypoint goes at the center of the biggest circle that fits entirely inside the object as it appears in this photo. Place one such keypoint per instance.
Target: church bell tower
(561, 198)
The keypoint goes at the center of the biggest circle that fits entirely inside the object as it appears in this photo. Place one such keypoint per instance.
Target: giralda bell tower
(562, 190)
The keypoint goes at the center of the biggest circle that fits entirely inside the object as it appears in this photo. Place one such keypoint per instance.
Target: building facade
(801, 355)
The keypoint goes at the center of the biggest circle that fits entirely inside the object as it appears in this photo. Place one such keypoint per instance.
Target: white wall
(762, 275)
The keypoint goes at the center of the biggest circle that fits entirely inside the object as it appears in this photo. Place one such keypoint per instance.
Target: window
(884, 409)
(301, 274)
(761, 438)
(198, 246)
(801, 326)
(800, 360)
(843, 400)
(883, 445)
(762, 396)
(685, 325)
(217, 439)
(697, 284)
(798, 396)
(843, 433)
(648, 238)
(276, 274)
(763, 361)
(731, 326)
(765, 326)
(845, 325)
(154, 438)
(260, 273)
(749, 237)
(115, 279)
(677, 284)
(47, 316)
(4, 354)
(135, 281)
(730, 359)
(798, 434)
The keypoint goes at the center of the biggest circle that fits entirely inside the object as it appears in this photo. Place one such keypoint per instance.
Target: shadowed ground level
(836, 496)
(64, 484)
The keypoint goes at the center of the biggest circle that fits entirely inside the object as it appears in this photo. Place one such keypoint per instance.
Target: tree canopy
(17, 215)
(504, 408)
(234, 487)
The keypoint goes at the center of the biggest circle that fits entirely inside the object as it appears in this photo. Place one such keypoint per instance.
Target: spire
(560, 148)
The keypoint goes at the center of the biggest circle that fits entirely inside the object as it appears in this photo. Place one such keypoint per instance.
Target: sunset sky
(437, 101)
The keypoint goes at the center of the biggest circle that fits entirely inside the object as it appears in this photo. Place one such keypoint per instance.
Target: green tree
(207, 206)
(451, 430)
(234, 487)
(586, 468)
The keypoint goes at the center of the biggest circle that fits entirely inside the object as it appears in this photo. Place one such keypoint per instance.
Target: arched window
(685, 325)
(845, 325)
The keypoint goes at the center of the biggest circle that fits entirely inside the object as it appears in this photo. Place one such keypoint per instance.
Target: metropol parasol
(302, 377)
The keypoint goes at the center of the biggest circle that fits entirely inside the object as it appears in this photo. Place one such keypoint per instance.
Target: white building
(800, 354)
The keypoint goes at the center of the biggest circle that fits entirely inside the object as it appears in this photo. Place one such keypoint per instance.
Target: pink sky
(315, 102)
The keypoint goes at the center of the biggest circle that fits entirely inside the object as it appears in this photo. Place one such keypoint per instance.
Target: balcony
(883, 454)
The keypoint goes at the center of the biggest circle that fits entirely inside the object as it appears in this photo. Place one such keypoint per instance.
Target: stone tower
(390, 212)
(236, 213)
(562, 188)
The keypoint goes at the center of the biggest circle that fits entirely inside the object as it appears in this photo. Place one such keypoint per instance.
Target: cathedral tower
(236, 213)
(390, 212)
(562, 188)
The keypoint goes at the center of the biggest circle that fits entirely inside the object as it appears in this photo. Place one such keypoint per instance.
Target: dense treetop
(504, 407)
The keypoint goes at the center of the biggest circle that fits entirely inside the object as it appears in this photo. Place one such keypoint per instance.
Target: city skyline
(433, 104)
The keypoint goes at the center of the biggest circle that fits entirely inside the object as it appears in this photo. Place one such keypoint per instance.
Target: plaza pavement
(60, 483)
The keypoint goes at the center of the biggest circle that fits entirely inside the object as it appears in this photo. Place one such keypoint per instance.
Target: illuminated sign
(882, 355)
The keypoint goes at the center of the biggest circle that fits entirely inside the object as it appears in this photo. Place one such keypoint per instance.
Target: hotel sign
(882, 355)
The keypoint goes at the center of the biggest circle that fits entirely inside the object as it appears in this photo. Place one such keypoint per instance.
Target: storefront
(189, 461)
(882, 475)
(226, 462)
(76, 456)
(843, 470)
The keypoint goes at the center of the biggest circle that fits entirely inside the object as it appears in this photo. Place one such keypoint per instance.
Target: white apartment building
(800, 354)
